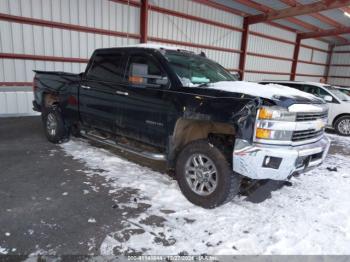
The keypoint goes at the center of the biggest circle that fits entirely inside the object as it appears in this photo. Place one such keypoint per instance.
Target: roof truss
(298, 10)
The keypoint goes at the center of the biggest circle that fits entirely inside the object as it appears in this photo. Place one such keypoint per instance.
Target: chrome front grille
(306, 134)
(310, 116)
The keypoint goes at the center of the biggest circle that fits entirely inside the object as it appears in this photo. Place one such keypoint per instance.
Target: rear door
(97, 97)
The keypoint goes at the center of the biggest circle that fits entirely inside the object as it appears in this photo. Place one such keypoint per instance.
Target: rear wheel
(55, 129)
(342, 126)
(205, 176)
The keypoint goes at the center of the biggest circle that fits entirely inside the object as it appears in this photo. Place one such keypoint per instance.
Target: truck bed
(54, 81)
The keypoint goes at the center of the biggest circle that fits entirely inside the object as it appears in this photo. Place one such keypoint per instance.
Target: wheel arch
(339, 116)
(188, 130)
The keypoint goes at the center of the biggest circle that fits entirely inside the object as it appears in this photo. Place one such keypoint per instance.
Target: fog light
(272, 162)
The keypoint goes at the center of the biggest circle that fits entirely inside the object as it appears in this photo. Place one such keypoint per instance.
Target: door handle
(122, 93)
(85, 87)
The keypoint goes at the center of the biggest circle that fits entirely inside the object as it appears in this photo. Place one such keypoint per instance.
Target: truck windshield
(337, 93)
(194, 70)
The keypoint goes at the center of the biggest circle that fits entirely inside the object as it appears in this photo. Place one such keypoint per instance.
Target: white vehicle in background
(345, 90)
(338, 102)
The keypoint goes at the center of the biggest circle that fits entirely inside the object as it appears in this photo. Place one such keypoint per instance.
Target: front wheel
(205, 176)
(342, 126)
(55, 129)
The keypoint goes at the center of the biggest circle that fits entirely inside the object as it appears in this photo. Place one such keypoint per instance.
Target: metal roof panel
(238, 6)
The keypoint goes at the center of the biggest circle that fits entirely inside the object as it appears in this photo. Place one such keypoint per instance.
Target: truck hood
(270, 91)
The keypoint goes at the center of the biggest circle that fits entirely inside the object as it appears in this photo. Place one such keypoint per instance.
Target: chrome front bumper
(261, 161)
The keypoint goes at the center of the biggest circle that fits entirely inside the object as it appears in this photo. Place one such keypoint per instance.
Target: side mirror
(162, 81)
(328, 98)
(138, 69)
(139, 75)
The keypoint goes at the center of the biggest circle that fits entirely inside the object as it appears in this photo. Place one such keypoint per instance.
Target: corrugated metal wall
(221, 40)
(40, 42)
(269, 55)
(339, 71)
(60, 35)
(313, 58)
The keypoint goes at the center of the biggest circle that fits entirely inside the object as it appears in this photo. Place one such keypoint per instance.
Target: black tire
(228, 182)
(57, 133)
(339, 122)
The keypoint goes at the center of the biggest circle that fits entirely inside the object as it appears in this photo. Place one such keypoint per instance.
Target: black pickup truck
(173, 105)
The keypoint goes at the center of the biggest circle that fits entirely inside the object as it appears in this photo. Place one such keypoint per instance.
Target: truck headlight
(268, 124)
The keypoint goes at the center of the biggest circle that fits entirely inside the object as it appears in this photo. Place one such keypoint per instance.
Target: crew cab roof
(147, 46)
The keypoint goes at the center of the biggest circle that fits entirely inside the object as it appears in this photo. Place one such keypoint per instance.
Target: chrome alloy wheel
(201, 174)
(344, 126)
(51, 124)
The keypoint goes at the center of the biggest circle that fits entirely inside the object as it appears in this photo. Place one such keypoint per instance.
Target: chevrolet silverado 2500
(169, 104)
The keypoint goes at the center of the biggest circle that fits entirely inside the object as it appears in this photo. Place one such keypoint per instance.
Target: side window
(145, 63)
(107, 67)
(312, 90)
(296, 86)
(323, 93)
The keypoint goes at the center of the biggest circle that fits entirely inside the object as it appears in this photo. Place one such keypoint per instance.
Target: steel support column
(244, 47)
(329, 61)
(144, 21)
(295, 58)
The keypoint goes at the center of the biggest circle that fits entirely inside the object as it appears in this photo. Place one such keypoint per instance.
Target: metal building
(61, 35)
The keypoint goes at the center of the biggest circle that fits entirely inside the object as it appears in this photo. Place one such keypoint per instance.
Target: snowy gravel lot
(309, 217)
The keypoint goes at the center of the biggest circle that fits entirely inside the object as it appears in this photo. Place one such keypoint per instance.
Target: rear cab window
(107, 67)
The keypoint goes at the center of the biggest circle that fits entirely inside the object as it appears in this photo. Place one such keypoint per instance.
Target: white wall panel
(268, 64)
(92, 13)
(305, 54)
(342, 48)
(226, 59)
(18, 70)
(339, 81)
(320, 57)
(339, 71)
(200, 10)
(16, 103)
(311, 55)
(273, 31)
(254, 77)
(266, 46)
(341, 58)
(185, 30)
(310, 69)
(307, 78)
(315, 43)
(54, 42)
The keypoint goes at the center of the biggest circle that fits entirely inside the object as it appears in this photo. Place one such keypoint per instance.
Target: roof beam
(321, 17)
(266, 9)
(296, 10)
(323, 33)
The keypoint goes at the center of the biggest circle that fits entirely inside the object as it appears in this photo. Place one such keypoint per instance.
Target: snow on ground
(310, 217)
(3, 251)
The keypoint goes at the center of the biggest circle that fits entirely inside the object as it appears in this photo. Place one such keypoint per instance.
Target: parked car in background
(169, 104)
(345, 90)
(338, 102)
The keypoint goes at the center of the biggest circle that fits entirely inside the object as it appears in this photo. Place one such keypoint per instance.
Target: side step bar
(109, 142)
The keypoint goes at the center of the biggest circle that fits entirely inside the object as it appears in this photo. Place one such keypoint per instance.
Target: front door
(145, 104)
